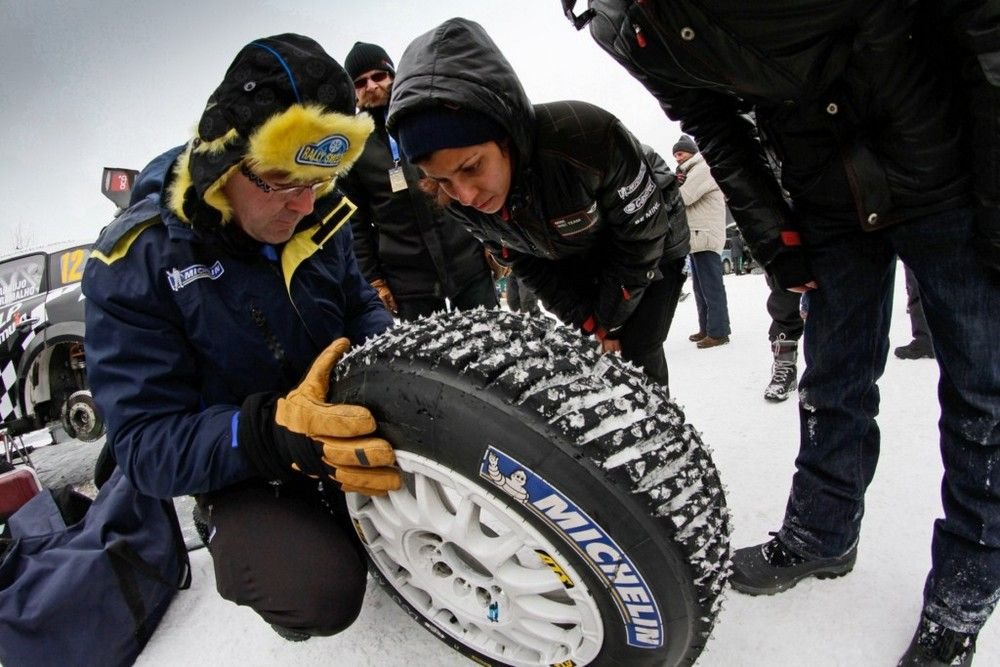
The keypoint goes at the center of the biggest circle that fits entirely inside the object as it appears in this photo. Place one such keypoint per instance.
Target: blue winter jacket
(183, 324)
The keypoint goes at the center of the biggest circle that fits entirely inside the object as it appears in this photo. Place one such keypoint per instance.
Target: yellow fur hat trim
(304, 143)
(308, 143)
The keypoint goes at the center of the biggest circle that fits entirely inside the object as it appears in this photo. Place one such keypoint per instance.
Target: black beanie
(284, 104)
(364, 57)
(424, 131)
(686, 144)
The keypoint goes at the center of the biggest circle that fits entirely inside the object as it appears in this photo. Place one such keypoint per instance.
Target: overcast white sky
(87, 84)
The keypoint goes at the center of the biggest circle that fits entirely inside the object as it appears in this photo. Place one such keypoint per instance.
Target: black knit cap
(427, 130)
(686, 144)
(268, 76)
(364, 57)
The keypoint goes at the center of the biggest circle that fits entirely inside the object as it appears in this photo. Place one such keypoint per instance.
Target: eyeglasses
(377, 77)
(282, 190)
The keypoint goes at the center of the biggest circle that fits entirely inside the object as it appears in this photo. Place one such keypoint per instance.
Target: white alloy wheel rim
(471, 566)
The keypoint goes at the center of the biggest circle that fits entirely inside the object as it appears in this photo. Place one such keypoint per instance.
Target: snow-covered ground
(865, 618)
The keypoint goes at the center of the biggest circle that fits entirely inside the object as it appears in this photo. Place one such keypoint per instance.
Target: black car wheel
(557, 509)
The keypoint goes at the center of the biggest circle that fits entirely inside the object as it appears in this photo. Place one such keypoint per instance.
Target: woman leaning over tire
(561, 191)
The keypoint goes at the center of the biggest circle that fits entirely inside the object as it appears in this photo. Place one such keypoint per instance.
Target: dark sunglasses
(377, 77)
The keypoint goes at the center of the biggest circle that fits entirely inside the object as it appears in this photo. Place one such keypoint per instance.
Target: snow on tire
(556, 510)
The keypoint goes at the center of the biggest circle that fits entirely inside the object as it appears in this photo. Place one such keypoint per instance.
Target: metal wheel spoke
(401, 505)
(535, 607)
(468, 530)
(527, 641)
(431, 505)
(519, 580)
(386, 523)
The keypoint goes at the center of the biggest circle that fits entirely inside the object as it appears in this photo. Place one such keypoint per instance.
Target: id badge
(396, 179)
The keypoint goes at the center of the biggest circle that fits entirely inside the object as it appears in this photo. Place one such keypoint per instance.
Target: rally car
(42, 366)
(43, 380)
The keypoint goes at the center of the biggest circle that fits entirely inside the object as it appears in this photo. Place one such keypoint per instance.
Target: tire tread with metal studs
(557, 509)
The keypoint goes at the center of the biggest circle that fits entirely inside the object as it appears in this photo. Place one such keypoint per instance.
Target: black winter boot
(772, 567)
(934, 645)
(784, 373)
(290, 635)
(915, 349)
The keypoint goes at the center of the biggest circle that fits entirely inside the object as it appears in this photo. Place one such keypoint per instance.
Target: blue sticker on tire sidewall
(625, 584)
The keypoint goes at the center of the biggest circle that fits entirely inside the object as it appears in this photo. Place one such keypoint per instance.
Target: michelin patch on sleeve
(633, 597)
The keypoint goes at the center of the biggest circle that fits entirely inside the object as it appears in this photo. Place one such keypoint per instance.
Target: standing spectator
(561, 191)
(885, 118)
(706, 216)
(208, 302)
(736, 249)
(784, 333)
(408, 248)
(921, 347)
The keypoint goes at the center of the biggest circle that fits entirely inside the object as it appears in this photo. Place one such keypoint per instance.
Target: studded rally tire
(556, 510)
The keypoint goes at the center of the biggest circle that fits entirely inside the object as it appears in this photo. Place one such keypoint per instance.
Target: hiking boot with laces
(769, 568)
(934, 645)
(784, 373)
(697, 336)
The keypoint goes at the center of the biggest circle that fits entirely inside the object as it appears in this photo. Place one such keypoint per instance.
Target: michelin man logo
(513, 484)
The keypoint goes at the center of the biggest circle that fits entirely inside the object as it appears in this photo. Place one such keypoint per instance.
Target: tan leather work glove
(384, 293)
(303, 433)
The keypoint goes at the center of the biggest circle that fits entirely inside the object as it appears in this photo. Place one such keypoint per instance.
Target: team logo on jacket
(626, 192)
(641, 200)
(576, 222)
(327, 152)
(181, 278)
(630, 592)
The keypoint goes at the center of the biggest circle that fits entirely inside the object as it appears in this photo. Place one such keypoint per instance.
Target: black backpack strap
(126, 561)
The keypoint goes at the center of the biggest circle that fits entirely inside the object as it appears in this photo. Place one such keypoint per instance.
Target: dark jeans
(479, 292)
(647, 328)
(915, 307)
(710, 293)
(282, 553)
(786, 317)
(846, 342)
